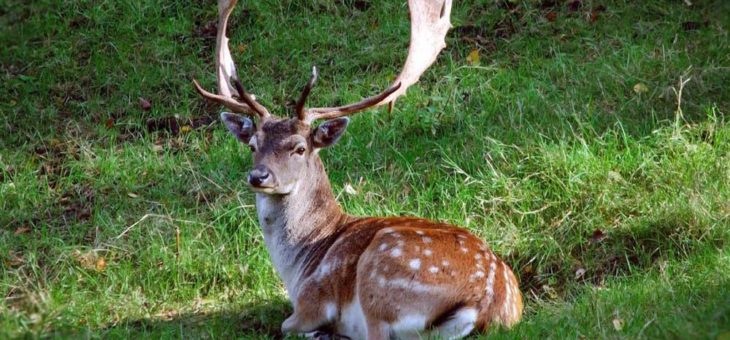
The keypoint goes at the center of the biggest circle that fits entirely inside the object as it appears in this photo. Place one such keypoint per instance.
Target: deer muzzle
(261, 178)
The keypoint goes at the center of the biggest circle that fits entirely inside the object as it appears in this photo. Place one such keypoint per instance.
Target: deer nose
(258, 176)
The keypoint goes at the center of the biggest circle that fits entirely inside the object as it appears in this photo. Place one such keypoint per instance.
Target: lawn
(552, 129)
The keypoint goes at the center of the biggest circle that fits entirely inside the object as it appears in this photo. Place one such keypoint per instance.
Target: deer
(349, 276)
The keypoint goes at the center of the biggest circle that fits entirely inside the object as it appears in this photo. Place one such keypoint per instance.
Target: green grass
(544, 149)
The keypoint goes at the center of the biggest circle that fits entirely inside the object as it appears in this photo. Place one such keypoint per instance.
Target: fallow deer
(361, 277)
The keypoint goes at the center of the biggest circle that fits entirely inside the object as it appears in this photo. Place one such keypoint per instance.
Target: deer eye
(300, 150)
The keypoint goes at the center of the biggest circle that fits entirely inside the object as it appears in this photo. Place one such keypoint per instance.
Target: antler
(429, 24)
(430, 21)
(226, 76)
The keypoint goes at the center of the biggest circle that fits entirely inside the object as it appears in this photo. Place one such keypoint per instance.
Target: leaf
(580, 273)
(145, 104)
(109, 123)
(597, 236)
(350, 190)
(21, 230)
(132, 195)
(35, 318)
(575, 5)
(185, 129)
(473, 57)
(551, 16)
(86, 260)
(640, 88)
(15, 259)
(593, 17)
(618, 323)
(615, 176)
(693, 25)
(550, 291)
(100, 264)
(241, 48)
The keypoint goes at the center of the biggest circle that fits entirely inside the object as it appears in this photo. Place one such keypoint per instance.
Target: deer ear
(329, 132)
(241, 127)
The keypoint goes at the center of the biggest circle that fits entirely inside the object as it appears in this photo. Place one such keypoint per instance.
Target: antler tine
(346, 110)
(228, 102)
(226, 70)
(252, 103)
(301, 111)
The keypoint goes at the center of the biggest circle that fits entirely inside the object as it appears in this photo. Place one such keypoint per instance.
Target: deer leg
(378, 330)
(313, 309)
(459, 325)
(306, 318)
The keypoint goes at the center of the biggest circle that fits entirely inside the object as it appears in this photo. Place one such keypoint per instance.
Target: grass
(564, 148)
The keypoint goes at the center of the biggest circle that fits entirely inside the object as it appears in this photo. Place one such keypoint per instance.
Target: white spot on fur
(396, 235)
(413, 322)
(445, 263)
(490, 282)
(325, 268)
(508, 291)
(381, 281)
(388, 230)
(383, 247)
(477, 256)
(433, 269)
(464, 250)
(414, 263)
(400, 243)
(413, 286)
(426, 239)
(330, 311)
(427, 252)
(396, 252)
(419, 232)
(461, 236)
(479, 274)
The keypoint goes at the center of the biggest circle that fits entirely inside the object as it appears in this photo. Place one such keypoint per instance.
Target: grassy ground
(563, 146)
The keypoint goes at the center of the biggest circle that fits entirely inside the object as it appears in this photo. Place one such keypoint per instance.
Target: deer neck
(296, 225)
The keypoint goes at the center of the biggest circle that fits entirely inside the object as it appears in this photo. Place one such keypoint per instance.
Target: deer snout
(260, 177)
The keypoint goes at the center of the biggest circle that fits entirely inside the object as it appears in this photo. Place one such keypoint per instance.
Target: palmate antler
(226, 75)
(429, 24)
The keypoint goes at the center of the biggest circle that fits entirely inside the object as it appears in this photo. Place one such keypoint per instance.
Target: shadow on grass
(250, 321)
(616, 254)
(671, 309)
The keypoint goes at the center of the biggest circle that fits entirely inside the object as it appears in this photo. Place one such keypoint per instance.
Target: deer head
(285, 149)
